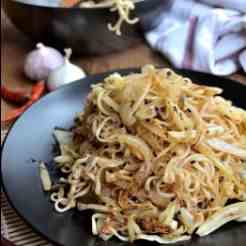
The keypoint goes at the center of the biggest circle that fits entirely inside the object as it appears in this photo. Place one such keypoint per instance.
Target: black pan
(31, 138)
(82, 29)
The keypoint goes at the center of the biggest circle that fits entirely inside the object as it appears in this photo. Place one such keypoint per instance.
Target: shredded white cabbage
(223, 146)
(163, 240)
(45, 177)
(231, 212)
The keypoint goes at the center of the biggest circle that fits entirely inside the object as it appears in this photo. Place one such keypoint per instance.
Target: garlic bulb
(41, 61)
(64, 74)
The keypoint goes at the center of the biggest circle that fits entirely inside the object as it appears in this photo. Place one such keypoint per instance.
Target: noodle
(160, 174)
(122, 7)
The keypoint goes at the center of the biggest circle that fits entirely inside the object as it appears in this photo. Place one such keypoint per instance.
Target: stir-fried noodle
(156, 157)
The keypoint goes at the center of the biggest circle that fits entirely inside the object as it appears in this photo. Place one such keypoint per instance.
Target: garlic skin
(41, 61)
(64, 74)
(242, 59)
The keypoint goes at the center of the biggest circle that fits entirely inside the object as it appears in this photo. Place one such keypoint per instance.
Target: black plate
(31, 138)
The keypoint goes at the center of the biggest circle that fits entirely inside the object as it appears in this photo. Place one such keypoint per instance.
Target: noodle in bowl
(123, 8)
(84, 29)
(156, 157)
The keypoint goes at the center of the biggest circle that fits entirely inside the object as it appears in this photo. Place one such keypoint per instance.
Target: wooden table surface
(14, 47)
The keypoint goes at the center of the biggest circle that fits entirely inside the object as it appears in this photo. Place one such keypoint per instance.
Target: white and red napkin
(204, 35)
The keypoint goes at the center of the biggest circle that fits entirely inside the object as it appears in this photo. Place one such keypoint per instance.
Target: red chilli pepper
(37, 92)
(18, 97)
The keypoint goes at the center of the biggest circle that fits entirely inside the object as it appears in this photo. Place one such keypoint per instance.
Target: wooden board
(14, 47)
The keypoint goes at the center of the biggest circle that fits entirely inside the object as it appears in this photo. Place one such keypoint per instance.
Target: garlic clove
(64, 74)
(41, 61)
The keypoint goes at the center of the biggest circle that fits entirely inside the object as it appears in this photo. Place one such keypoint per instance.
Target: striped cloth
(13, 227)
(203, 35)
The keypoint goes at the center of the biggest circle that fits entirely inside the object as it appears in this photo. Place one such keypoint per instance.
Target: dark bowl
(83, 29)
